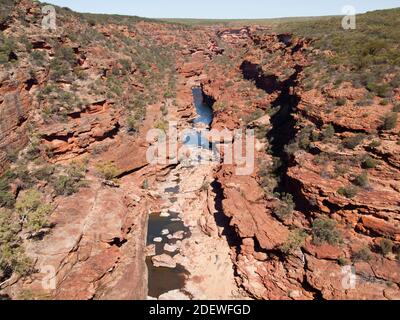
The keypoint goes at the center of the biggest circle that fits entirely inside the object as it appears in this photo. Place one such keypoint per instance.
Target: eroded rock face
(311, 271)
(86, 250)
(250, 216)
(15, 104)
(96, 248)
(66, 141)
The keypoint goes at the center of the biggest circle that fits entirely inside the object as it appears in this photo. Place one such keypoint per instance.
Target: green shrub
(12, 256)
(145, 184)
(324, 231)
(66, 54)
(353, 141)
(308, 85)
(218, 106)
(341, 101)
(108, 170)
(59, 69)
(32, 151)
(340, 170)
(294, 241)
(268, 176)
(6, 9)
(26, 179)
(384, 102)
(71, 182)
(32, 211)
(397, 252)
(162, 125)
(257, 114)
(8, 227)
(285, 208)
(381, 90)
(368, 162)
(7, 46)
(44, 173)
(164, 110)
(375, 144)
(364, 254)
(348, 192)
(62, 64)
(132, 125)
(13, 259)
(386, 246)
(342, 261)
(168, 94)
(390, 121)
(362, 180)
(38, 57)
(328, 132)
(7, 199)
(292, 148)
(304, 137)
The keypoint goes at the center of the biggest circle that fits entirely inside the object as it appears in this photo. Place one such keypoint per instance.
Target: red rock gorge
(84, 215)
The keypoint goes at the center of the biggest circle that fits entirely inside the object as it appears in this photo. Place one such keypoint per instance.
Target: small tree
(12, 257)
(386, 246)
(390, 121)
(324, 231)
(353, 141)
(341, 101)
(7, 199)
(145, 184)
(364, 254)
(329, 132)
(285, 208)
(33, 212)
(294, 241)
(72, 181)
(108, 170)
(368, 162)
(362, 180)
(375, 144)
(161, 125)
(348, 192)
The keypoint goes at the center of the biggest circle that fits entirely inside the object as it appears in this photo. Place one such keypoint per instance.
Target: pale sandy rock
(150, 250)
(174, 295)
(170, 248)
(164, 260)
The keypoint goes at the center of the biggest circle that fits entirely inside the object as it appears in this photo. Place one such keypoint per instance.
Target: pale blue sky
(223, 9)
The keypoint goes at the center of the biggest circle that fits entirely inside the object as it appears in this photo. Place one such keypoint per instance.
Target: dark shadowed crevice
(222, 220)
(30, 83)
(52, 137)
(129, 172)
(251, 71)
(110, 134)
(118, 242)
(284, 127)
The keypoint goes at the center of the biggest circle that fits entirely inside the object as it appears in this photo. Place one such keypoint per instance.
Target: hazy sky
(223, 9)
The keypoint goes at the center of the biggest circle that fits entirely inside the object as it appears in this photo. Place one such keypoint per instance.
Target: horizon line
(216, 19)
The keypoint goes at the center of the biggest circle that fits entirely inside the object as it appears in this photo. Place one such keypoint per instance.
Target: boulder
(164, 261)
